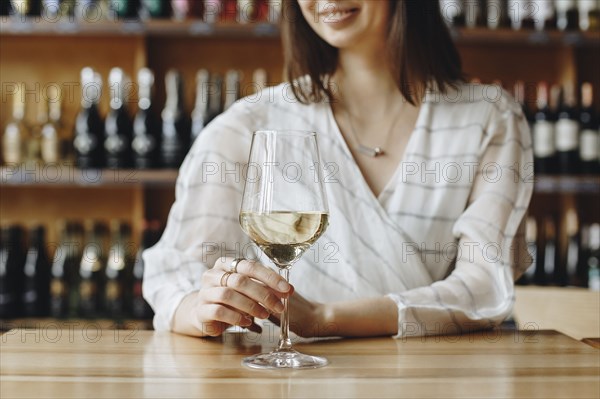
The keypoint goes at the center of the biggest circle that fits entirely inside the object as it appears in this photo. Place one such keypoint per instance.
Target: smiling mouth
(338, 15)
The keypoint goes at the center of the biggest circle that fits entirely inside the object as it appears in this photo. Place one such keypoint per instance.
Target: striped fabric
(444, 239)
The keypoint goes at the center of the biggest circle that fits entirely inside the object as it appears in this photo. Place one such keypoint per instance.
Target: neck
(364, 82)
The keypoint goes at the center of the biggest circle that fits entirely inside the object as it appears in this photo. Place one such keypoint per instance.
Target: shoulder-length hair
(420, 50)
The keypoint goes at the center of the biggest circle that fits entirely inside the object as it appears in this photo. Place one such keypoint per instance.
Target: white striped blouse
(444, 239)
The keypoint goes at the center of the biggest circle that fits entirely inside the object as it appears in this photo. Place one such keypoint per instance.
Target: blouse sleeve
(479, 292)
(202, 224)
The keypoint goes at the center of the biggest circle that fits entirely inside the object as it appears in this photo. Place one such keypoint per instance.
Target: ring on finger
(224, 278)
(234, 265)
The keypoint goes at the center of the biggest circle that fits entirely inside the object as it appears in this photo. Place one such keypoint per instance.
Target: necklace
(372, 152)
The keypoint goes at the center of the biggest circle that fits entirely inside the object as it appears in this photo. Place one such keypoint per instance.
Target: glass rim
(286, 132)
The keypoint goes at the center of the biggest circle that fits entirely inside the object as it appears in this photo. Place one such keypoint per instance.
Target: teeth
(340, 13)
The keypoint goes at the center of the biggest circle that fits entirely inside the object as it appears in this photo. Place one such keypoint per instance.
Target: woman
(426, 180)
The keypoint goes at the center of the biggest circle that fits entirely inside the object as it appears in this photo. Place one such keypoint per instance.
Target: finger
(218, 312)
(235, 300)
(255, 328)
(264, 274)
(251, 288)
(274, 318)
(256, 291)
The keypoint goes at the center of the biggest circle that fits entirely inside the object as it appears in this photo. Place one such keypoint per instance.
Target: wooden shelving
(106, 28)
(525, 37)
(65, 175)
(567, 184)
(195, 27)
(49, 323)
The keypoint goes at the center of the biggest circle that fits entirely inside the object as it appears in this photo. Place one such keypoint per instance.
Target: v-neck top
(444, 239)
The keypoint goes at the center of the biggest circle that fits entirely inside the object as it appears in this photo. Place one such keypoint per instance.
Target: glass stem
(284, 336)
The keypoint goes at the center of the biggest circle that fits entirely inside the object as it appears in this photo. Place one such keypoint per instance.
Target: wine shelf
(567, 184)
(525, 37)
(65, 175)
(62, 175)
(49, 323)
(190, 28)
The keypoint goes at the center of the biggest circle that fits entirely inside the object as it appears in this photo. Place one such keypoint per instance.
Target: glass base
(284, 359)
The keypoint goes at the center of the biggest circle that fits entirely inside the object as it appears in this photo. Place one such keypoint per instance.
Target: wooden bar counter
(96, 363)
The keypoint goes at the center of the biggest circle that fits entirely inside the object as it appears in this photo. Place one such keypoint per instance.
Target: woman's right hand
(254, 291)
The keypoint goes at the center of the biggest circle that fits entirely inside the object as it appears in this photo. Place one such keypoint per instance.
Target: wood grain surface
(53, 363)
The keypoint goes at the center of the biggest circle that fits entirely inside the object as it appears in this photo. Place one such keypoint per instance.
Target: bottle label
(143, 145)
(567, 135)
(113, 290)
(50, 149)
(588, 145)
(58, 288)
(87, 290)
(12, 144)
(543, 139)
(84, 143)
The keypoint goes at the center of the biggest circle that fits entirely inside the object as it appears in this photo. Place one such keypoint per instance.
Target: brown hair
(420, 51)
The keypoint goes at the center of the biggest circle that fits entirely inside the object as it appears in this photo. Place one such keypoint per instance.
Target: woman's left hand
(307, 319)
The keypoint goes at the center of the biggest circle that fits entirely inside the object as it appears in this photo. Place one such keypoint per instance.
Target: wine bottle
(11, 271)
(544, 150)
(567, 15)
(64, 272)
(531, 241)
(16, 132)
(126, 9)
(50, 136)
(544, 15)
(520, 98)
(91, 272)
(146, 127)
(229, 12)
(593, 259)
(212, 11)
(118, 128)
(139, 307)
(589, 139)
(175, 124)
(181, 8)
(566, 271)
(232, 88)
(529, 14)
(497, 14)
(246, 11)
(275, 11)
(215, 97)
(200, 114)
(567, 133)
(581, 278)
(118, 271)
(517, 10)
(196, 9)
(89, 129)
(589, 11)
(29, 8)
(547, 252)
(36, 283)
(459, 17)
(156, 9)
(51, 9)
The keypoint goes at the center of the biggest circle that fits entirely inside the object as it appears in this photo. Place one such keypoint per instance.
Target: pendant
(371, 152)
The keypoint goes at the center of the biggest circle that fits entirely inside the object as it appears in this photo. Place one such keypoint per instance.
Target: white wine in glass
(284, 211)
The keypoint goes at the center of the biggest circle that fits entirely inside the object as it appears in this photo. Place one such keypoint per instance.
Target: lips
(333, 15)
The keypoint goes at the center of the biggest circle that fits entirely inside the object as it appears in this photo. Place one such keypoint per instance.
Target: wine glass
(284, 211)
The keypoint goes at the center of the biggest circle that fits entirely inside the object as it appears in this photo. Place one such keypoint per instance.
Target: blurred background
(101, 100)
